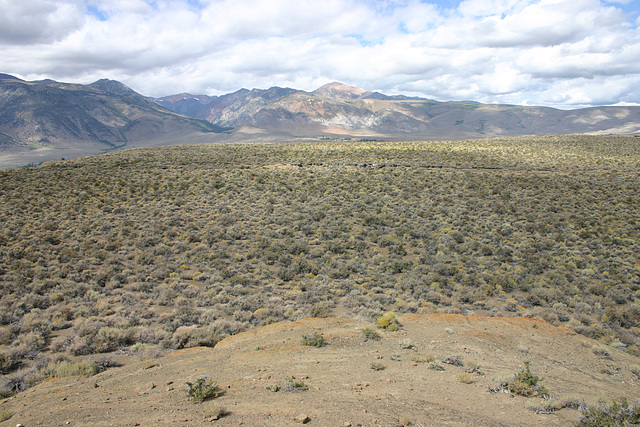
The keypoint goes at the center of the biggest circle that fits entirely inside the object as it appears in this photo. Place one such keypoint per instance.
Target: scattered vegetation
(406, 344)
(214, 411)
(181, 246)
(66, 368)
(202, 389)
(292, 384)
(370, 334)
(315, 339)
(465, 378)
(405, 421)
(388, 321)
(550, 405)
(453, 360)
(419, 358)
(523, 383)
(5, 414)
(526, 383)
(615, 413)
(47, 367)
(435, 366)
(602, 352)
(473, 368)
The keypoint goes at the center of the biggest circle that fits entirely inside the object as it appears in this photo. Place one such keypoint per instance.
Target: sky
(559, 53)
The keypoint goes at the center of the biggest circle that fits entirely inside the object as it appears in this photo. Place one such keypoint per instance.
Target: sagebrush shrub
(388, 321)
(453, 360)
(370, 334)
(315, 339)
(618, 412)
(202, 389)
(292, 384)
(523, 383)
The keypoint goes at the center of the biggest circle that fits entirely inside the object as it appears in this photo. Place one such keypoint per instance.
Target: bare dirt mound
(343, 389)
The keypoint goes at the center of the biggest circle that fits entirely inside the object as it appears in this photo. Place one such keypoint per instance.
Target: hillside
(44, 116)
(251, 369)
(336, 109)
(139, 253)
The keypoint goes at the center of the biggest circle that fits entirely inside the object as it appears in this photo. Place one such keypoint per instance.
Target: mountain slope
(339, 109)
(102, 115)
(230, 110)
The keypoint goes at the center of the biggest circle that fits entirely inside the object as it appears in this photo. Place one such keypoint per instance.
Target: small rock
(273, 387)
(302, 419)
(347, 424)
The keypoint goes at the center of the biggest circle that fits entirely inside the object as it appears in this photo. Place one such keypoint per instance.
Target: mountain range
(40, 118)
(337, 109)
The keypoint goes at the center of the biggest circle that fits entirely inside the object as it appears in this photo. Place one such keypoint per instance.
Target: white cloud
(38, 21)
(561, 53)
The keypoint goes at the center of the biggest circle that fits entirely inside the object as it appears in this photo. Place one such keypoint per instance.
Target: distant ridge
(9, 77)
(338, 109)
(107, 115)
(87, 119)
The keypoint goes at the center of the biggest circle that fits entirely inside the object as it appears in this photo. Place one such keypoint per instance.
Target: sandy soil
(343, 388)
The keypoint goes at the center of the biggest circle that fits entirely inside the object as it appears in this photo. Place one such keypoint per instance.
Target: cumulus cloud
(562, 53)
(38, 21)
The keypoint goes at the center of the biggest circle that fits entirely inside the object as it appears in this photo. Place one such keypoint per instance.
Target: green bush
(66, 368)
(388, 321)
(525, 383)
(521, 389)
(615, 413)
(370, 334)
(202, 389)
(314, 339)
(526, 376)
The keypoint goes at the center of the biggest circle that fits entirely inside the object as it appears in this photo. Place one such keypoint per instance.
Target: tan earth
(344, 390)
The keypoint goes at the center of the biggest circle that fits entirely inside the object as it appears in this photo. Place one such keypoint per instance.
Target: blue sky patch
(95, 11)
(366, 41)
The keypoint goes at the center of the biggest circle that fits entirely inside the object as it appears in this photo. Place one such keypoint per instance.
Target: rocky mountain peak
(340, 90)
(113, 86)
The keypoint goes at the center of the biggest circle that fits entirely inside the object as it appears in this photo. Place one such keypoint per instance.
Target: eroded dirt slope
(343, 388)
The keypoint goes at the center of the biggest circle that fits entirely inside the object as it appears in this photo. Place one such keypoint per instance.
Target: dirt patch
(343, 389)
